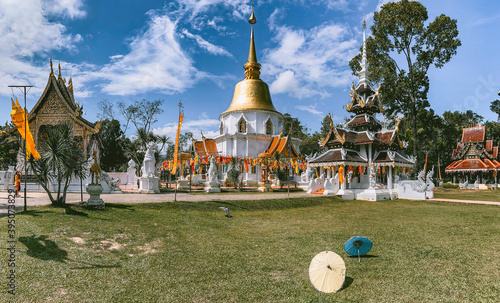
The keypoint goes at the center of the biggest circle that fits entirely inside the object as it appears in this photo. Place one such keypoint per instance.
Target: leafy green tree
(325, 126)
(310, 145)
(113, 145)
(298, 130)
(137, 148)
(495, 107)
(9, 145)
(62, 159)
(400, 54)
(493, 132)
(184, 144)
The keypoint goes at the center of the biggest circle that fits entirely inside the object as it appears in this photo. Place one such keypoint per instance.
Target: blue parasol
(358, 246)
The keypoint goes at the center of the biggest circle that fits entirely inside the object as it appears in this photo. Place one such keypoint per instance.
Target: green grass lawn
(190, 252)
(467, 194)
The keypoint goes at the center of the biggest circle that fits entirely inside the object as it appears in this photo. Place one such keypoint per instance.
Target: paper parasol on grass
(327, 272)
(358, 246)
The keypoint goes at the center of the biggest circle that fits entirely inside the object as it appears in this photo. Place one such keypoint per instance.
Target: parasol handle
(359, 257)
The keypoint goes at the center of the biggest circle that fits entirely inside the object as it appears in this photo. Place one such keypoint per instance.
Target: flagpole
(25, 92)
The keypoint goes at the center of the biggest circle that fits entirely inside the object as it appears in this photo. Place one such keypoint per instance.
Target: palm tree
(139, 145)
(62, 158)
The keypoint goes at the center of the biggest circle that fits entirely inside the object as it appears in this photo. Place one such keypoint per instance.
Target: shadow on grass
(72, 210)
(363, 257)
(120, 206)
(35, 213)
(347, 282)
(249, 205)
(45, 249)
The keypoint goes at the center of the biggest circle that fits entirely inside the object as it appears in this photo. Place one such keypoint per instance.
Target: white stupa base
(374, 194)
(149, 185)
(95, 191)
(212, 187)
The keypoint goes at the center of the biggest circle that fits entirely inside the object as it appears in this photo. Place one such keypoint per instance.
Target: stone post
(389, 178)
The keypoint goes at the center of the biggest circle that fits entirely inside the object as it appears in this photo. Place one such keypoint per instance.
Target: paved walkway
(36, 199)
(465, 201)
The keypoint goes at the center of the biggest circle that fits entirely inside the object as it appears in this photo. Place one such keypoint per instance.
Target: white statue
(148, 166)
(372, 178)
(428, 180)
(212, 171)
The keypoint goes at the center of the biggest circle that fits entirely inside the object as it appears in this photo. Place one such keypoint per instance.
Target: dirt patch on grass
(110, 245)
(149, 248)
(277, 275)
(77, 240)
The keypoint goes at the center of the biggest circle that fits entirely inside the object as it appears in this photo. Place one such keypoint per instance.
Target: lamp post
(25, 92)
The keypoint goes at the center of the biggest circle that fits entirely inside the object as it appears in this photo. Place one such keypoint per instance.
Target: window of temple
(242, 125)
(221, 128)
(269, 127)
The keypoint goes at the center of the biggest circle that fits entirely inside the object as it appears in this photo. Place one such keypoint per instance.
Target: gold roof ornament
(51, 69)
(59, 75)
(252, 93)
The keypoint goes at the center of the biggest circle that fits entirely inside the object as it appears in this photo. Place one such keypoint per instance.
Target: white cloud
(203, 123)
(156, 62)
(310, 108)
(26, 31)
(69, 8)
(204, 44)
(306, 62)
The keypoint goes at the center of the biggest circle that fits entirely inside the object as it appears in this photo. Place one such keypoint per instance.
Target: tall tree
(325, 126)
(9, 146)
(401, 52)
(298, 130)
(495, 107)
(113, 145)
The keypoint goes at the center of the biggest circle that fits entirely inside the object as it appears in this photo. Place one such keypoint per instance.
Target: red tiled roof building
(475, 157)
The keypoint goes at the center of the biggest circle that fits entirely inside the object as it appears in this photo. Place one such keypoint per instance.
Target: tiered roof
(279, 144)
(474, 153)
(343, 142)
(205, 147)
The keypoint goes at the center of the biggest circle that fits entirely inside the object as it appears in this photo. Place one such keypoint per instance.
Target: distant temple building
(361, 155)
(57, 104)
(474, 158)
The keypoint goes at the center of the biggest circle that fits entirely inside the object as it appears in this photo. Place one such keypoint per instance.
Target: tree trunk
(414, 130)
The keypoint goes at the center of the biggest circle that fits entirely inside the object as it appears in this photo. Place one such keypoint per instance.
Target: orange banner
(18, 116)
(176, 153)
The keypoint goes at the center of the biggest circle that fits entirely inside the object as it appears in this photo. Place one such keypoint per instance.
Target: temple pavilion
(57, 104)
(475, 159)
(362, 154)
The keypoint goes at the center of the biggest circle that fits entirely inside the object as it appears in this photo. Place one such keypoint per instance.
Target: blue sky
(194, 51)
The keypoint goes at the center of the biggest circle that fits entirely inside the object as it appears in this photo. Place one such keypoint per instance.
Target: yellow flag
(18, 118)
(176, 153)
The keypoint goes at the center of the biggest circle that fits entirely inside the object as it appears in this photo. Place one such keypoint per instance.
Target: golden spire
(51, 69)
(251, 93)
(59, 75)
(70, 85)
(252, 67)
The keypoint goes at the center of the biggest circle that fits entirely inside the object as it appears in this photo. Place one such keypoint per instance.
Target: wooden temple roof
(473, 134)
(279, 144)
(205, 147)
(474, 153)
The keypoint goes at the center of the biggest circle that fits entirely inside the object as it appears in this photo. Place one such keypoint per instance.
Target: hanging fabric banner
(176, 153)
(18, 116)
(341, 174)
